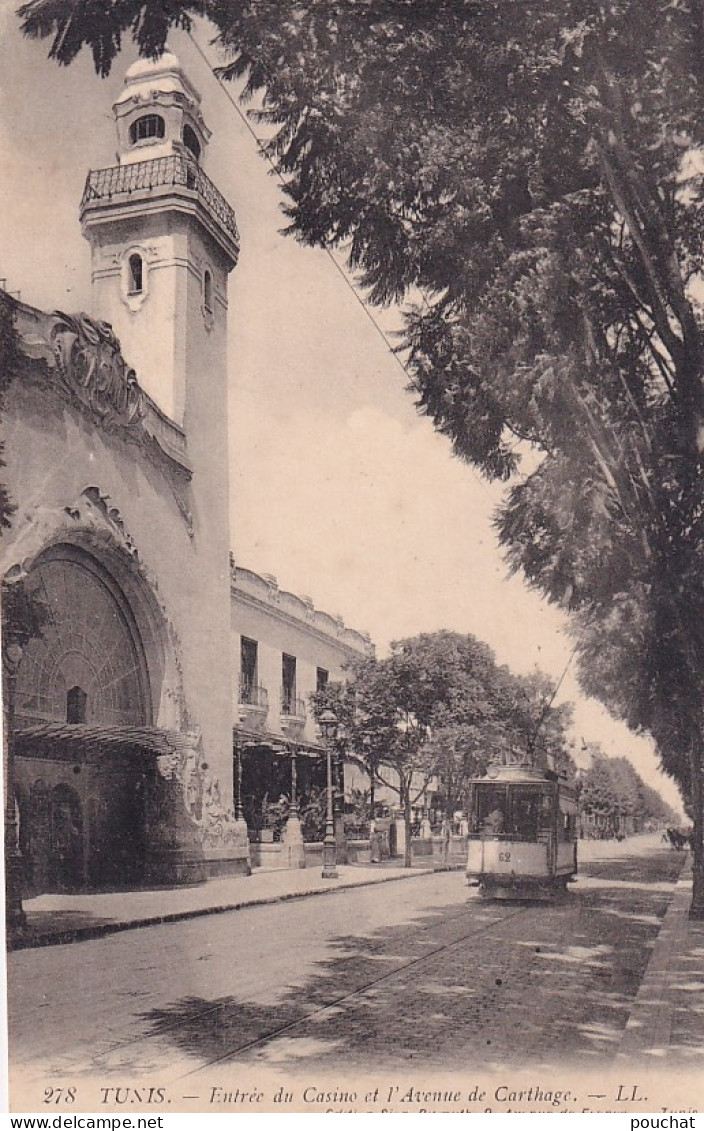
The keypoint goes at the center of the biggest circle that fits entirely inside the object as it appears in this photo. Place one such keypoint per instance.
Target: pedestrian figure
(494, 823)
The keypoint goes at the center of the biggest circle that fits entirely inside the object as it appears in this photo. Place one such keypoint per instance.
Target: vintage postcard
(233, 883)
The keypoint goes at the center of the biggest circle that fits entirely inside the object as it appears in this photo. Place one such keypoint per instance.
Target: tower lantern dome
(163, 241)
(158, 113)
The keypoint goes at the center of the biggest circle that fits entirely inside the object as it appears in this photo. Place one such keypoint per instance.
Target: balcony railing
(144, 176)
(253, 695)
(292, 707)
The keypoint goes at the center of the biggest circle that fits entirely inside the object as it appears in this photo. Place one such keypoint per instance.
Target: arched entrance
(89, 664)
(84, 824)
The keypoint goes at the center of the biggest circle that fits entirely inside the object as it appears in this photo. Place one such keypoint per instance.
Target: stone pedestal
(294, 851)
(374, 845)
(229, 854)
(340, 840)
(400, 826)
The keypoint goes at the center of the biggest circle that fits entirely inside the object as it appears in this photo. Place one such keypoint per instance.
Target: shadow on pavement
(687, 990)
(493, 984)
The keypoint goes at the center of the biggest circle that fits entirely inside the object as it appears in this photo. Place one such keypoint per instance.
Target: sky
(338, 487)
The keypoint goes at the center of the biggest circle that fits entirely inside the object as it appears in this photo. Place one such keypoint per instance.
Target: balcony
(253, 705)
(149, 178)
(293, 712)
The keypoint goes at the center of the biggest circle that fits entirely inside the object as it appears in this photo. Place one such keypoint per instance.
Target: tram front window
(525, 814)
(490, 810)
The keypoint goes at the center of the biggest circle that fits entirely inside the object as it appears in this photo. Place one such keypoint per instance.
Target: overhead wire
(263, 150)
(548, 704)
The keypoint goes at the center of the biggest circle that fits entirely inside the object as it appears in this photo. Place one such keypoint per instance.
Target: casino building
(158, 657)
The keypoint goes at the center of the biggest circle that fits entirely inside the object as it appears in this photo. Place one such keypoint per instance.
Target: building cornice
(262, 592)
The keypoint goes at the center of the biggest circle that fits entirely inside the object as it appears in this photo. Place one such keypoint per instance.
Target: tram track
(342, 999)
(503, 914)
(473, 918)
(512, 912)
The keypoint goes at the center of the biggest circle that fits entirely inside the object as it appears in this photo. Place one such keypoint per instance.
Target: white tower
(163, 242)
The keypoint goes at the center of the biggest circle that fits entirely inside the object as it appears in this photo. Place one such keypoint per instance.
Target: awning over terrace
(64, 741)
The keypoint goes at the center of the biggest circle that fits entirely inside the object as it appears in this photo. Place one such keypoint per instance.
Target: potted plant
(274, 815)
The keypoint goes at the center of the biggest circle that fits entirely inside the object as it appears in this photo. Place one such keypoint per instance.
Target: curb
(99, 930)
(649, 1026)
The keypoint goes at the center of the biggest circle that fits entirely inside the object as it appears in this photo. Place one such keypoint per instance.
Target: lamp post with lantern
(328, 728)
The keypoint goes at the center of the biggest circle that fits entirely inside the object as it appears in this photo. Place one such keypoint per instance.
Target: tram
(522, 833)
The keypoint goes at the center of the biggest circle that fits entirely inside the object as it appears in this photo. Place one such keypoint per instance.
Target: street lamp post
(14, 913)
(239, 808)
(328, 729)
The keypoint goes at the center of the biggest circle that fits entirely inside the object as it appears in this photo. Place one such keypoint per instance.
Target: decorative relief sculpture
(85, 356)
(92, 367)
(97, 514)
(215, 821)
(83, 362)
(91, 516)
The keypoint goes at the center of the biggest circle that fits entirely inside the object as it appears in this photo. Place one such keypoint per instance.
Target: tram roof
(521, 772)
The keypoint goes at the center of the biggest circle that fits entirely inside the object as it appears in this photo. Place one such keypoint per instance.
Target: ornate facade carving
(215, 821)
(91, 516)
(81, 360)
(85, 356)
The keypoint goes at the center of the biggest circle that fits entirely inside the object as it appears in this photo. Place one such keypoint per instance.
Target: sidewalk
(666, 1021)
(56, 919)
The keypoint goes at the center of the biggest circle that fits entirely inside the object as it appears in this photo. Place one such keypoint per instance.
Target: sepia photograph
(351, 556)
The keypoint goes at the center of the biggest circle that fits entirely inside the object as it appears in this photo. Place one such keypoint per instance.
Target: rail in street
(419, 974)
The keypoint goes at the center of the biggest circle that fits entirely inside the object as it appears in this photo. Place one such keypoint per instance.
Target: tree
(440, 707)
(616, 798)
(598, 797)
(381, 731)
(526, 175)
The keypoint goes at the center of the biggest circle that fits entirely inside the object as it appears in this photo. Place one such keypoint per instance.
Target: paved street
(414, 974)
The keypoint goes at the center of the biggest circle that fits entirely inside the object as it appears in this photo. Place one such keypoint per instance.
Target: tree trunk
(407, 856)
(696, 910)
(450, 808)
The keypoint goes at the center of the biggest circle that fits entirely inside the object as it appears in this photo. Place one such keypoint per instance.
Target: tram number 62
(504, 857)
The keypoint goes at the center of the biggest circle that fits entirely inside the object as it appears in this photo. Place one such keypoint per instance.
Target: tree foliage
(439, 708)
(616, 796)
(527, 175)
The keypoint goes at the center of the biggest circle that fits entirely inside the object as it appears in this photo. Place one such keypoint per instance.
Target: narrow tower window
(190, 140)
(136, 279)
(208, 291)
(147, 127)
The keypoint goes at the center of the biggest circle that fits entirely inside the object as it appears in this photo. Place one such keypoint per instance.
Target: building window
(76, 700)
(321, 679)
(208, 291)
(248, 669)
(136, 275)
(146, 128)
(288, 684)
(190, 140)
